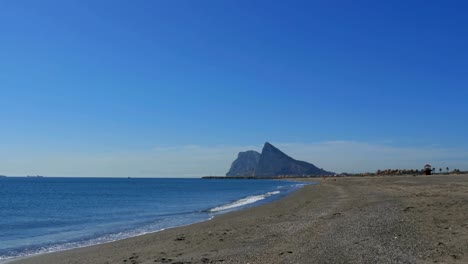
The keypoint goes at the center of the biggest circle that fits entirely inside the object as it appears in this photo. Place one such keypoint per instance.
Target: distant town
(439, 171)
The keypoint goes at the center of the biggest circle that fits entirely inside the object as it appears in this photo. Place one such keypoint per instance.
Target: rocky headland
(272, 162)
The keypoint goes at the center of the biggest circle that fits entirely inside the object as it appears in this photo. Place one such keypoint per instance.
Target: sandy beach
(392, 219)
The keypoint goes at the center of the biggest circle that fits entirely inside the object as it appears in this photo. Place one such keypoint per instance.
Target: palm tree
(440, 170)
(447, 169)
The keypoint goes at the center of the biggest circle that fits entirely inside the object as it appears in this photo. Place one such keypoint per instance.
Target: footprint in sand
(133, 259)
(408, 208)
(163, 260)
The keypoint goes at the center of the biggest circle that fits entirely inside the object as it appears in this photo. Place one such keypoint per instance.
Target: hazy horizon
(197, 161)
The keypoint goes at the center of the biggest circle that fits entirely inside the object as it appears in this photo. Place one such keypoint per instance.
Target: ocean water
(39, 215)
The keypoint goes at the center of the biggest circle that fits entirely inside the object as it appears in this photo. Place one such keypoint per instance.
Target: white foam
(151, 228)
(244, 201)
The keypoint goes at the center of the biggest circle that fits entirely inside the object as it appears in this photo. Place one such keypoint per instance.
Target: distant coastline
(258, 178)
(363, 174)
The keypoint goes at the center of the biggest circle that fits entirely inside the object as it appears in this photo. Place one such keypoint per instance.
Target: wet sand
(392, 219)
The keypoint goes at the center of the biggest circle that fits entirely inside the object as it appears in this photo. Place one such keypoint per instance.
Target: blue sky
(83, 81)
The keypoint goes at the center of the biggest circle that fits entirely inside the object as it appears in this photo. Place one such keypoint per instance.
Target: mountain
(245, 164)
(272, 162)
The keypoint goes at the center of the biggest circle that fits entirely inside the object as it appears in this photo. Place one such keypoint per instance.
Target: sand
(392, 219)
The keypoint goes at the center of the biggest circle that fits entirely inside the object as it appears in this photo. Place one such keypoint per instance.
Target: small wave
(156, 226)
(243, 201)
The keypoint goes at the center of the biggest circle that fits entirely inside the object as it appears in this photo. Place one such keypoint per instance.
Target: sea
(48, 214)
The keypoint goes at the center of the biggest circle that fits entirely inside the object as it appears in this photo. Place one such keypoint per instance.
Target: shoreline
(215, 214)
(380, 219)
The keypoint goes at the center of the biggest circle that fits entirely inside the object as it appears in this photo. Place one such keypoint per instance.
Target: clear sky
(176, 88)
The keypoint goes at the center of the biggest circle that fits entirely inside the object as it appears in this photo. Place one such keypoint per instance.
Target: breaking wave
(243, 201)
